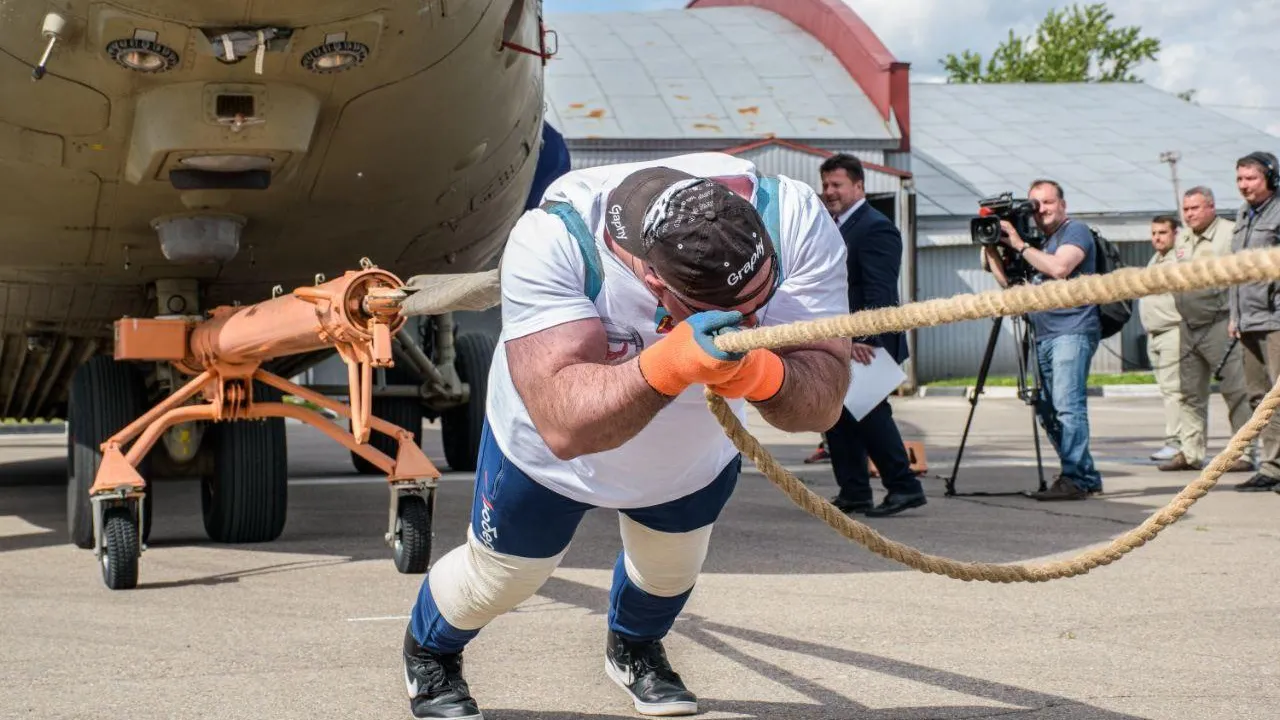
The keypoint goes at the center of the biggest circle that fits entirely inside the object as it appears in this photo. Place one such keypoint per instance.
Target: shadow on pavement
(796, 711)
(827, 703)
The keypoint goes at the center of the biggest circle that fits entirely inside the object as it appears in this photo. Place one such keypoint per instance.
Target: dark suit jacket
(875, 261)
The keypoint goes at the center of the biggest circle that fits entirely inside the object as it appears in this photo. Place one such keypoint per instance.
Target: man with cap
(612, 295)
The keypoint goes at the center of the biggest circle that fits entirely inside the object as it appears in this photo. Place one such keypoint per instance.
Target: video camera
(1021, 213)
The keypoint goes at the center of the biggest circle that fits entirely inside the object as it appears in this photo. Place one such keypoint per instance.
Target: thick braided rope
(1126, 283)
(818, 507)
(1122, 284)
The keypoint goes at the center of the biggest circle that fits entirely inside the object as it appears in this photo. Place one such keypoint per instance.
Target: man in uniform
(1255, 314)
(1160, 321)
(612, 295)
(1204, 341)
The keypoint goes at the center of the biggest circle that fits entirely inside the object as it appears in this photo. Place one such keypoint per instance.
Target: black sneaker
(642, 669)
(436, 688)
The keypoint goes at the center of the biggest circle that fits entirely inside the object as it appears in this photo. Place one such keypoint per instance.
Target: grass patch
(295, 400)
(1133, 378)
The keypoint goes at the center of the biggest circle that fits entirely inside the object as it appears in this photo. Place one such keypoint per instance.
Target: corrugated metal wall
(956, 350)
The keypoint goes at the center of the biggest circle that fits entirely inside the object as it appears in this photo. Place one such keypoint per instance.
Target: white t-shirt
(683, 448)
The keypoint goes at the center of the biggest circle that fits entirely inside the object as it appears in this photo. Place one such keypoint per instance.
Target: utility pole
(1172, 157)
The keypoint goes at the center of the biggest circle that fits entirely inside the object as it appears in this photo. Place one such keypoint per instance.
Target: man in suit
(874, 261)
(553, 161)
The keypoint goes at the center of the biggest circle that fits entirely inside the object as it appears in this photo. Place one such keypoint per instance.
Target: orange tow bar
(356, 314)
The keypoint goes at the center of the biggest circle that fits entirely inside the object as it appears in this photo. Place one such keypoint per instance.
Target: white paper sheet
(872, 383)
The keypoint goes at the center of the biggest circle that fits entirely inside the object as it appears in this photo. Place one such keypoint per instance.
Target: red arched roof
(868, 61)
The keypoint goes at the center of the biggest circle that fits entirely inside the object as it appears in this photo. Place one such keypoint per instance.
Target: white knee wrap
(472, 584)
(663, 564)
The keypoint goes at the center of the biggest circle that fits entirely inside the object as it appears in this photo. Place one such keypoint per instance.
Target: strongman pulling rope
(612, 295)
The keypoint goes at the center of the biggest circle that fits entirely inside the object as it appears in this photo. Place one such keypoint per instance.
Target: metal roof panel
(708, 68)
(778, 63)
(672, 64)
(645, 116)
(1101, 140)
(691, 98)
(623, 78)
(590, 127)
(576, 97)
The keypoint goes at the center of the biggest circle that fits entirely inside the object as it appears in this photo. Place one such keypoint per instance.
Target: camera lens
(985, 230)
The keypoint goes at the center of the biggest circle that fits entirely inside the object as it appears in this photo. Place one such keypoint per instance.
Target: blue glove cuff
(711, 323)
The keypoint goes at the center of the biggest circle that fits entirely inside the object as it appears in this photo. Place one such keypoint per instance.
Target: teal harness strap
(766, 204)
(586, 244)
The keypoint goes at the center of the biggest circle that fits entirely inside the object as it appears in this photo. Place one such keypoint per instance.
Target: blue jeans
(512, 514)
(1063, 406)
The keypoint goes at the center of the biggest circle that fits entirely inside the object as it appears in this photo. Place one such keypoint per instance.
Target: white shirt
(683, 448)
(844, 216)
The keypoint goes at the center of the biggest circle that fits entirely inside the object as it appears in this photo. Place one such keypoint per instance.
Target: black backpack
(1114, 315)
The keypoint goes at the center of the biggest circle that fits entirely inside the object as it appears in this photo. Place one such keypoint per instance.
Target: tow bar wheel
(119, 541)
(410, 535)
(105, 396)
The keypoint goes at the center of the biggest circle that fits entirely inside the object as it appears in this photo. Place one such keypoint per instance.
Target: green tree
(1071, 45)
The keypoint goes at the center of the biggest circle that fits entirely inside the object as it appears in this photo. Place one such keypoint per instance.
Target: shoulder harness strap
(769, 209)
(594, 279)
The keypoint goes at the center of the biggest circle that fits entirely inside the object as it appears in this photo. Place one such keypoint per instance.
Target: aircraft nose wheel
(118, 543)
(412, 510)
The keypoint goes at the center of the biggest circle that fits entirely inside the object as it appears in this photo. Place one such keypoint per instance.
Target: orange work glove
(688, 354)
(759, 377)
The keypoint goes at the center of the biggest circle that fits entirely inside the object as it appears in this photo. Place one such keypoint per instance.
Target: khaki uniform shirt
(1159, 312)
(1204, 307)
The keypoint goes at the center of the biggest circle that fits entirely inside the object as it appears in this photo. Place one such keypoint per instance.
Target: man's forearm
(1043, 261)
(995, 266)
(588, 408)
(813, 390)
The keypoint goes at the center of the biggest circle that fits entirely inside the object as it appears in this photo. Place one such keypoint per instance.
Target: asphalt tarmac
(789, 620)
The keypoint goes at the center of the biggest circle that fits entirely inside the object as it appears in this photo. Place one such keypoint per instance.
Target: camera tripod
(1028, 392)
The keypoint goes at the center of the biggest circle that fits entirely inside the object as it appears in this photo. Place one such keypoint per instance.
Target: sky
(1225, 50)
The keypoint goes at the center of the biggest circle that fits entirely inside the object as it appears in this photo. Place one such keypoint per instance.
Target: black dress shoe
(849, 507)
(895, 503)
(1258, 483)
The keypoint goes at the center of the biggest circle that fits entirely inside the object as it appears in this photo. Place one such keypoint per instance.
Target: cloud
(922, 32)
(1221, 50)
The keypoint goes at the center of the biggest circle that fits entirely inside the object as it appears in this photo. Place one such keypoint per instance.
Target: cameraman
(1065, 339)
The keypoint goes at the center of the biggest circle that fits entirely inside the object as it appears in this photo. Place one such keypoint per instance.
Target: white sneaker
(1165, 453)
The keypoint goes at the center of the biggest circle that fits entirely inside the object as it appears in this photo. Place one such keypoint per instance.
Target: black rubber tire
(105, 396)
(403, 412)
(246, 498)
(120, 556)
(412, 550)
(461, 427)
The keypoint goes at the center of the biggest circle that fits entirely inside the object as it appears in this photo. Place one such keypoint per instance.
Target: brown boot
(1061, 489)
(1179, 462)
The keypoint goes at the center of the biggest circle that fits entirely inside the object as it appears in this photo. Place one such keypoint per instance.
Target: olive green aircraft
(163, 158)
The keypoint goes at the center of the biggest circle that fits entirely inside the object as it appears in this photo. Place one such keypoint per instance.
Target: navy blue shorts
(514, 515)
